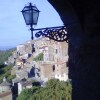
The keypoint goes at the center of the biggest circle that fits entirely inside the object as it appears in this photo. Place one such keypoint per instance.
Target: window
(56, 51)
(53, 67)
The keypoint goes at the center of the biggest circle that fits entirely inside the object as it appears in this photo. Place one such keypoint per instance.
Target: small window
(56, 51)
(53, 67)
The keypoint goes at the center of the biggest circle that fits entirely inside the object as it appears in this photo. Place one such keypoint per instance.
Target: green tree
(5, 71)
(27, 93)
(39, 57)
(54, 90)
(10, 77)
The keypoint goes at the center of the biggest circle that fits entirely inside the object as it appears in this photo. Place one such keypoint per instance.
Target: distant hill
(6, 47)
(4, 54)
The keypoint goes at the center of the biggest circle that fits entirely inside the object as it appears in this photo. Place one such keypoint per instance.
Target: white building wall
(19, 88)
(21, 48)
(63, 77)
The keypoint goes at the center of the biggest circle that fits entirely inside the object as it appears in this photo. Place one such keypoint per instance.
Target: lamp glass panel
(28, 17)
(35, 17)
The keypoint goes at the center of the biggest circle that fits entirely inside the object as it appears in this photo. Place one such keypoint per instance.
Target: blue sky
(13, 30)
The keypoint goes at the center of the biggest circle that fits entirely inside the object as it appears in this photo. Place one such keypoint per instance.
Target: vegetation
(27, 93)
(39, 57)
(5, 71)
(54, 90)
(4, 54)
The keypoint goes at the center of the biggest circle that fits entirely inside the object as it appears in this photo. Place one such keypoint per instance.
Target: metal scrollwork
(56, 33)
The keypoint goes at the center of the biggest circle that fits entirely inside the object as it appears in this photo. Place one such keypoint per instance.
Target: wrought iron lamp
(31, 14)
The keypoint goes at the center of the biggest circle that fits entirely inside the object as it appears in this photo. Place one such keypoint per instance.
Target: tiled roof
(5, 84)
(26, 83)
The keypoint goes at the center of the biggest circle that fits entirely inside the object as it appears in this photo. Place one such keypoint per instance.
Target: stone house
(55, 57)
(48, 53)
(29, 46)
(20, 62)
(46, 71)
(21, 74)
(5, 90)
(20, 49)
(24, 84)
(26, 48)
(40, 45)
(61, 71)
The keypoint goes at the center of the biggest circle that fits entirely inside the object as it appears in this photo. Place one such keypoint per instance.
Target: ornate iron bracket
(56, 33)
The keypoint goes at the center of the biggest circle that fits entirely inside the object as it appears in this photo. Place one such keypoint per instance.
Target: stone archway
(82, 17)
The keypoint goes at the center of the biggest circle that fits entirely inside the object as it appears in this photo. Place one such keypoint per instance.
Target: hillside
(4, 54)
(5, 71)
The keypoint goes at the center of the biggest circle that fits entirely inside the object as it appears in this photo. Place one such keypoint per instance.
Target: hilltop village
(37, 60)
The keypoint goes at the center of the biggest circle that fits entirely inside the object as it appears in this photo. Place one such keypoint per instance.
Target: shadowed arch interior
(84, 45)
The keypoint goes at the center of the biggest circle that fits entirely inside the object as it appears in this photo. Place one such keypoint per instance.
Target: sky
(13, 30)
